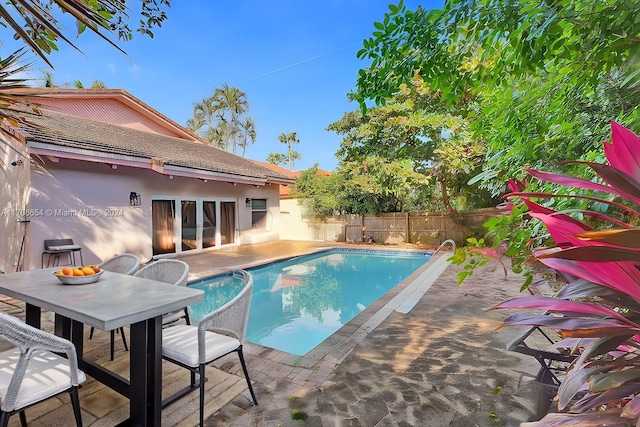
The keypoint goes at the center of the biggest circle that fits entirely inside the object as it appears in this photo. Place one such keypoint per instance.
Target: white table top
(113, 301)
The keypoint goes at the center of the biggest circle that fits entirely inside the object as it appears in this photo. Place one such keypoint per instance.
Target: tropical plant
(221, 119)
(291, 156)
(247, 134)
(37, 23)
(597, 251)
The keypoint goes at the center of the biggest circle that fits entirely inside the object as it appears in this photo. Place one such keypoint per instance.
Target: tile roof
(71, 134)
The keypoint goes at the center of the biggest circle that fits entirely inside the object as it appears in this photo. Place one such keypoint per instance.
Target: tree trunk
(445, 196)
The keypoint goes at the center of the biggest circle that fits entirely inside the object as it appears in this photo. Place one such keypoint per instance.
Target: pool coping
(336, 347)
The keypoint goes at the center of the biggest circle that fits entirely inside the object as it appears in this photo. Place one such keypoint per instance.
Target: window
(259, 213)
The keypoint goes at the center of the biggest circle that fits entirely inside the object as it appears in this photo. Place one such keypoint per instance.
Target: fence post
(407, 238)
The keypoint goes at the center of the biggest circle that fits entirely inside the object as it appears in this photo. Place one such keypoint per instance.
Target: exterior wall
(296, 228)
(109, 111)
(89, 202)
(14, 202)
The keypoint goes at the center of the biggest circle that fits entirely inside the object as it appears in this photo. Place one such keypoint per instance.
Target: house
(108, 171)
(299, 227)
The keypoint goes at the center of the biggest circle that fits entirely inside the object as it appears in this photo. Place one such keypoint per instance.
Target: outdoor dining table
(115, 300)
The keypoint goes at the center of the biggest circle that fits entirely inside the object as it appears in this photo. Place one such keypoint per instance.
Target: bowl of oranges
(79, 275)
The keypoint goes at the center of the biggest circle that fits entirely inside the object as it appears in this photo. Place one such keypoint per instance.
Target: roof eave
(48, 150)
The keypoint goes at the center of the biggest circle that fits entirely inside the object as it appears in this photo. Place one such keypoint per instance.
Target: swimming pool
(299, 302)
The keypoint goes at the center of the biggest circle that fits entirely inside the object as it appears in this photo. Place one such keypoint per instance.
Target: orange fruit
(96, 268)
(67, 271)
(77, 272)
(88, 271)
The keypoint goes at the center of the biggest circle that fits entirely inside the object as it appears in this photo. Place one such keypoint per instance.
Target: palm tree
(292, 155)
(247, 134)
(229, 104)
(221, 119)
(35, 23)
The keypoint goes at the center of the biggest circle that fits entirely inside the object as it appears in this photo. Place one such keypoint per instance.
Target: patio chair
(219, 333)
(33, 371)
(170, 271)
(123, 264)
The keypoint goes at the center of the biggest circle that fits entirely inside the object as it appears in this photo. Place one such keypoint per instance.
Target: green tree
(277, 158)
(318, 193)
(416, 130)
(551, 74)
(292, 156)
(247, 134)
(376, 184)
(221, 119)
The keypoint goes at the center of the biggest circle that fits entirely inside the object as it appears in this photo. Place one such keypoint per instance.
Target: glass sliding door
(208, 224)
(189, 233)
(194, 223)
(227, 223)
(163, 226)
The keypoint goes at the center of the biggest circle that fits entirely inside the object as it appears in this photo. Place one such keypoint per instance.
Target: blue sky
(295, 60)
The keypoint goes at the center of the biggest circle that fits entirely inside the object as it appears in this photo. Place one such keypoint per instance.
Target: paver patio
(440, 364)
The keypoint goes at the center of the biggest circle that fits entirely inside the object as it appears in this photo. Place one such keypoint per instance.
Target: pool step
(409, 296)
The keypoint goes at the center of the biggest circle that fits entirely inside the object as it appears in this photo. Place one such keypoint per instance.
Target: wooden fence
(407, 227)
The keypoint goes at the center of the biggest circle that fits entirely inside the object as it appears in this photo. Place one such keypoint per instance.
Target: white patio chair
(123, 264)
(31, 372)
(219, 333)
(170, 271)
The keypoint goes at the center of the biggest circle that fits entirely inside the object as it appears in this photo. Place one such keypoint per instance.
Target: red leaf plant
(600, 257)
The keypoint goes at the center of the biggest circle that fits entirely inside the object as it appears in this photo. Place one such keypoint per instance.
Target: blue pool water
(298, 303)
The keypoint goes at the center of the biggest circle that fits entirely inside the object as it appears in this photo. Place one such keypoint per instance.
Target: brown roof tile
(73, 132)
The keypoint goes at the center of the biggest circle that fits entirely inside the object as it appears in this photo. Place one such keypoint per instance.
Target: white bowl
(79, 280)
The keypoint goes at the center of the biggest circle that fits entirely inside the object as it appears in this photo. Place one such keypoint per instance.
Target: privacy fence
(430, 228)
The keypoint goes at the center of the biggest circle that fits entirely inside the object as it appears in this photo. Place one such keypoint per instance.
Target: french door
(182, 224)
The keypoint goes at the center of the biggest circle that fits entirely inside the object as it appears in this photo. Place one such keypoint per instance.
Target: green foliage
(471, 256)
(375, 184)
(419, 134)
(296, 414)
(221, 119)
(475, 43)
(277, 158)
(289, 159)
(319, 194)
(537, 82)
(35, 23)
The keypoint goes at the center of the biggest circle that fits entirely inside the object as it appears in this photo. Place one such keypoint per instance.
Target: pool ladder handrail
(449, 241)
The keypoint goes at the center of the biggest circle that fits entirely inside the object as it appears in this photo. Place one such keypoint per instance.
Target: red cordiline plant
(600, 257)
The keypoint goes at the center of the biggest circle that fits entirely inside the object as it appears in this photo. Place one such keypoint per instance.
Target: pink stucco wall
(93, 190)
(14, 191)
(110, 111)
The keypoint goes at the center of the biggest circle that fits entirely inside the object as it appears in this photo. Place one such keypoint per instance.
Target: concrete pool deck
(426, 354)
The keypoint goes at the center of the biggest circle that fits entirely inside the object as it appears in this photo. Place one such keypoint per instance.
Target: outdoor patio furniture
(53, 248)
(34, 371)
(123, 264)
(553, 363)
(219, 333)
(170, 271)
(115, 300)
